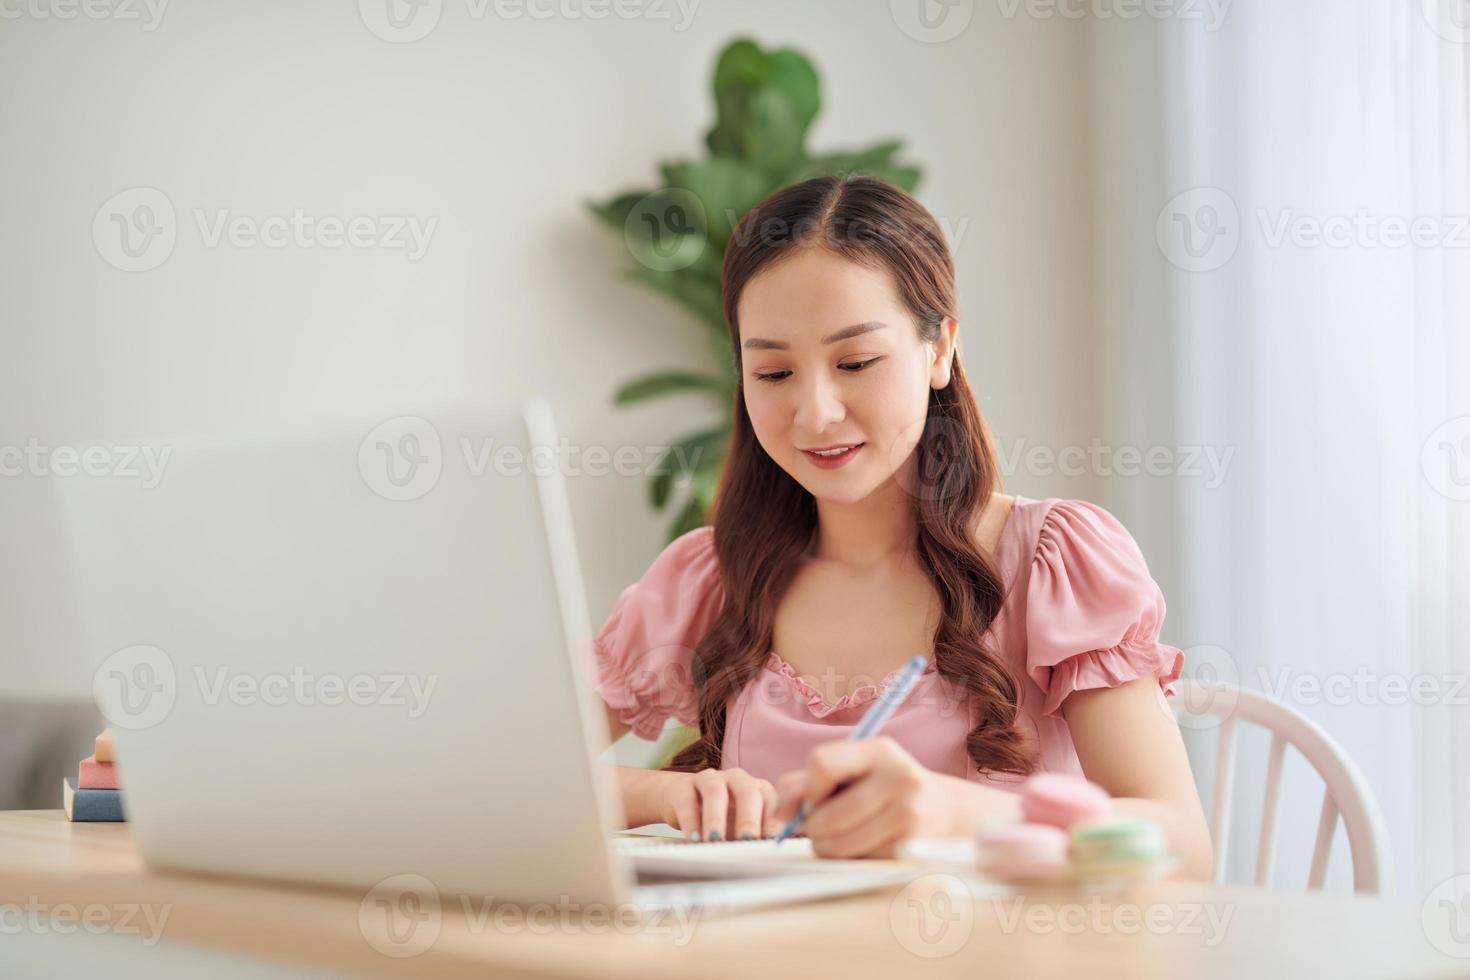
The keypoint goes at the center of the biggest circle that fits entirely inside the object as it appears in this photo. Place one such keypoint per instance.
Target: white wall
(499, 129)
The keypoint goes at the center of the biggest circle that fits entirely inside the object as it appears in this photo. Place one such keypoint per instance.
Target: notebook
(740, 858)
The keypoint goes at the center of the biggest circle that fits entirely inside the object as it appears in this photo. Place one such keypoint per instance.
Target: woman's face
(868, 384)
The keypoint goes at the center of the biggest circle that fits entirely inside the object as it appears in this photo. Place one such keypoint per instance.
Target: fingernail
(714, 835)
(747, 836)
(695, 838)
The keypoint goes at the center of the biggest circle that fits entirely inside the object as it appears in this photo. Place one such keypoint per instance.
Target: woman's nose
(819, 405)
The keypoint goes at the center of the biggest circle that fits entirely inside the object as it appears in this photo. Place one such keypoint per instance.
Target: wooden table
(933, 925)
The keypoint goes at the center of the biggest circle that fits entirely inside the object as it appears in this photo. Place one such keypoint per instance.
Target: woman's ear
(946, 349)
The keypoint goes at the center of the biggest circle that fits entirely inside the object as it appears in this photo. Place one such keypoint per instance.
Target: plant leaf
(698, 296)
(691, 517)
(653, 385)
(690, 454)
(615, 212)
(764, 104)
(726, 187)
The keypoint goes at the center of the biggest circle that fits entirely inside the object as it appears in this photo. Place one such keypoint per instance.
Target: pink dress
(1081, 612)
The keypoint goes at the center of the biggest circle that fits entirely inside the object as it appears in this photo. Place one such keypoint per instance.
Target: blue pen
(875, 718)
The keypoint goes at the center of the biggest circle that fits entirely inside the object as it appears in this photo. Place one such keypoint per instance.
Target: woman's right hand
(718, 804)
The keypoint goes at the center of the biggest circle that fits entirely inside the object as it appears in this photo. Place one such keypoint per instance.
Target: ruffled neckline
(819, 706)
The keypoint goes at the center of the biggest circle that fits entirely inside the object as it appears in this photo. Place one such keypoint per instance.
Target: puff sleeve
(1093, 613)
(644, 652)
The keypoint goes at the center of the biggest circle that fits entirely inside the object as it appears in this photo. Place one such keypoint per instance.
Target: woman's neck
(878, 530)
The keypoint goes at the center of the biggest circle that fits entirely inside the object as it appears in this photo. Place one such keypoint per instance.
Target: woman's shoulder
(1037, 523)
(691, 554)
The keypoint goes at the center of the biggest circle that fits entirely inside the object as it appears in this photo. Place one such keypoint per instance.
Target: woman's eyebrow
(757, 343)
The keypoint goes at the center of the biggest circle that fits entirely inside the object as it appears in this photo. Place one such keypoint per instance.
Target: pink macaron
(1061, 800)
(1024, 852)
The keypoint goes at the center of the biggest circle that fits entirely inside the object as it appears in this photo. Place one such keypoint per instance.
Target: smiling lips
(833, 456)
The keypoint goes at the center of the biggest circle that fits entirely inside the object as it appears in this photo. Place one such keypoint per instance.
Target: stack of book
(95, 795)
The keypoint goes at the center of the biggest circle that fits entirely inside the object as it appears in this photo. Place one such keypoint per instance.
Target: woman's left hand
(867, 798)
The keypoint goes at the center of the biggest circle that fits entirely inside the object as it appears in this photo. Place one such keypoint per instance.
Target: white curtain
(1284, 276)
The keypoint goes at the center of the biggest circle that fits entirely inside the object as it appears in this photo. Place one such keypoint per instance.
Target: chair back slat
(1266, 853)
(1224, 791)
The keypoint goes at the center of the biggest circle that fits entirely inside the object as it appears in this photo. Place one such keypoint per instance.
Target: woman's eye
(851, 367)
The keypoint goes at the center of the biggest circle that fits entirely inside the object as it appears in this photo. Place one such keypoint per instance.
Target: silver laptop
(354, 654)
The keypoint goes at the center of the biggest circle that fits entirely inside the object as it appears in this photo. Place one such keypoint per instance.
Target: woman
(858, 521)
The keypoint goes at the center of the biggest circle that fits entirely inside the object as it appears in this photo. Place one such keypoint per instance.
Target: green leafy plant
(677, 232)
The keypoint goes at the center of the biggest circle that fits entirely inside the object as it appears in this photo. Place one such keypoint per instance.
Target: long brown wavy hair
(764, 519)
